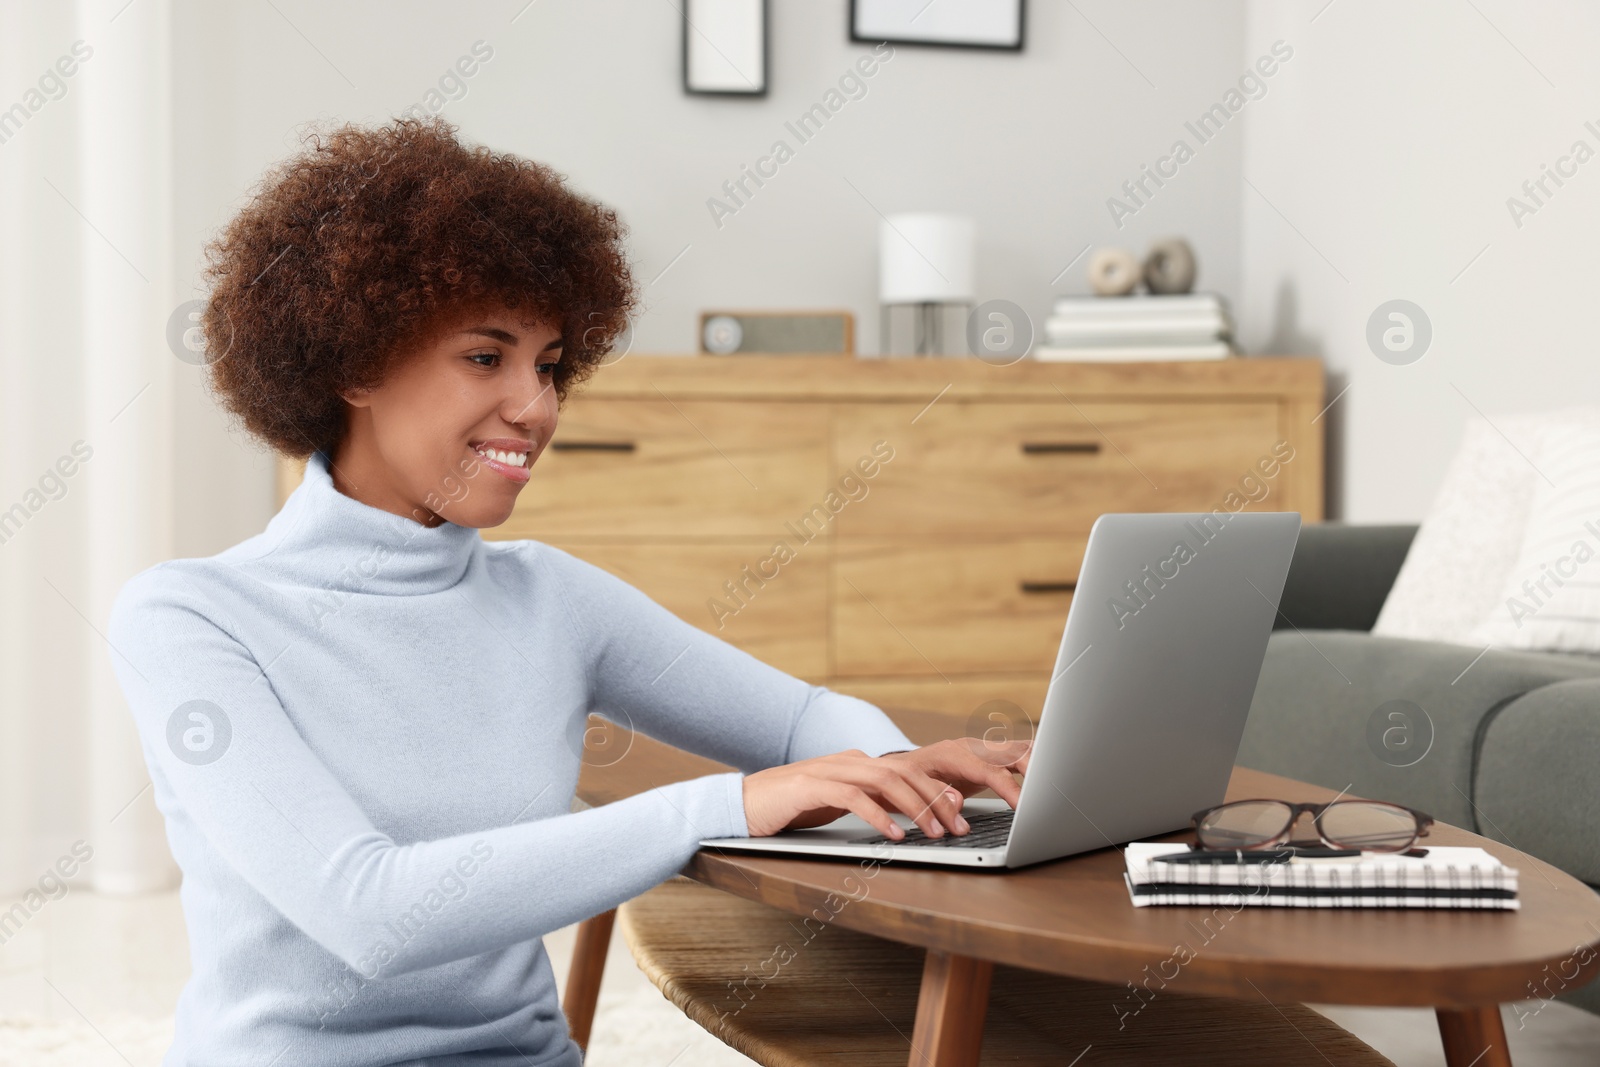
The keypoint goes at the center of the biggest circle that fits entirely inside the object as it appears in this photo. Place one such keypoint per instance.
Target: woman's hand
(973, 764)
(928, 784)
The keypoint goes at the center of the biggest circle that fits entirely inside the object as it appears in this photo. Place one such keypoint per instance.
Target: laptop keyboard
(988, 830)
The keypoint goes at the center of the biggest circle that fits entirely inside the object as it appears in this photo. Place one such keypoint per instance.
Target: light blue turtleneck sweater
(364, 735)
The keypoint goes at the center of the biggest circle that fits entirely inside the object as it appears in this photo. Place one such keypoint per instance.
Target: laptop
(1145, 709)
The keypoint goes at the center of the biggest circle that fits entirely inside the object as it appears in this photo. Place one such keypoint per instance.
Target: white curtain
(87, 385)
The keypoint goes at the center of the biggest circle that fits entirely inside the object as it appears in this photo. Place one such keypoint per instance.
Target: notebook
(1447, 877)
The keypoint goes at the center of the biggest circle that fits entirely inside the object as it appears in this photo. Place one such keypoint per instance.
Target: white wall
(42, 386)
(1031, 145)
(1392, 147)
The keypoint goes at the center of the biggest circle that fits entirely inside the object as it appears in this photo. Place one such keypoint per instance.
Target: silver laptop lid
(1158, 664)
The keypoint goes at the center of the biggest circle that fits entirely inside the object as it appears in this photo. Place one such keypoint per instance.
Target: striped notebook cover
(1447, 877)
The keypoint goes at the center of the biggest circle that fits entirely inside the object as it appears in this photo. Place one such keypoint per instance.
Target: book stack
(1443, 878)
(1137, 328)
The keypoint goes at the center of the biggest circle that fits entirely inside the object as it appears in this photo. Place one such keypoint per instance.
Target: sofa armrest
(1536, 786)
(1340, 575)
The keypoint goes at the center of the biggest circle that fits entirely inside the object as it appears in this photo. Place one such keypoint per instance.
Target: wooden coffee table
(1072, 917)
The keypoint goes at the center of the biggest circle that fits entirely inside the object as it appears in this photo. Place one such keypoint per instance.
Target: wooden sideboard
(906, 530)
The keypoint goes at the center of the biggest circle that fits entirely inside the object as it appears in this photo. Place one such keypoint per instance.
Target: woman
(364, 725)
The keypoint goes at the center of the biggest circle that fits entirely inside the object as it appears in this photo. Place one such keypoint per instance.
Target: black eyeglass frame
(1282, 838)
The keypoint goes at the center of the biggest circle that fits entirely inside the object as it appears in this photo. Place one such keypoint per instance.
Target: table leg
(950, 1011)
(583, 978)
(1474, 1037)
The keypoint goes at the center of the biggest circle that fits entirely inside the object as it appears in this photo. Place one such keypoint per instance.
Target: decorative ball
(1169, 268)
(1113, 272)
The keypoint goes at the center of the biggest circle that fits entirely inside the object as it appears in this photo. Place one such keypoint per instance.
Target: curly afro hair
(360, 248)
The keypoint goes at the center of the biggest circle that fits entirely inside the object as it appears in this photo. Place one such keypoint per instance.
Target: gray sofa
(1508, 746)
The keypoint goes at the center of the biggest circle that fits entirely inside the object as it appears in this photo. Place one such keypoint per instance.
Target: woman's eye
(548, 368)
(492, 357)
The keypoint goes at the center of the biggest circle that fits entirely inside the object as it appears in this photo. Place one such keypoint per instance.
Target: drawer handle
(1047, 587)
(593, 446)
(1086, 447)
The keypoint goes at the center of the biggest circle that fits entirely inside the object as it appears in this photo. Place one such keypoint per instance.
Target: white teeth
(510, 459)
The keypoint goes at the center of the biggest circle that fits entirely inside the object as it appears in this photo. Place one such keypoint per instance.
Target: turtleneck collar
(333, 541)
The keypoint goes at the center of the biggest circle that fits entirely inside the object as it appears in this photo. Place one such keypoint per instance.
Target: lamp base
(926, 327)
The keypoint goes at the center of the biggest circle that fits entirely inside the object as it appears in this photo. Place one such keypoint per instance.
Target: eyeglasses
(1365, 825)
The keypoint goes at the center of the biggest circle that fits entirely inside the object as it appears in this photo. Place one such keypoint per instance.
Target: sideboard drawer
(941, 609)
(1046, 468)
(783, 621)
(676, 468)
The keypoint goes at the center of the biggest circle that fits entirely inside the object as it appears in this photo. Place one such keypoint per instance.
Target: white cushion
(1550, 598)
(1469, 540)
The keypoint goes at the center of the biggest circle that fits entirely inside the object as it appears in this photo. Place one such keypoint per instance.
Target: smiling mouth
(506, 456)
(500, 455)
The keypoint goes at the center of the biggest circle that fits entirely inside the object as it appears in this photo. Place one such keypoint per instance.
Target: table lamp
(925, 261)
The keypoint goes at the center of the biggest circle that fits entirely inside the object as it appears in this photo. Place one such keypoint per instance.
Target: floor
(90, 982)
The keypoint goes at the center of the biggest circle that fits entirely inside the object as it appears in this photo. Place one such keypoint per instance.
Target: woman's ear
(356, 398)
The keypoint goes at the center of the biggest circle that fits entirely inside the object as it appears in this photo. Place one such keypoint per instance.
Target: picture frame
(725, 50)
(991, 25)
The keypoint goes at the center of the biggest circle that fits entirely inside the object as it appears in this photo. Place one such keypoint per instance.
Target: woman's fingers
(999, 779)
(975, 763)
(997, 762)
(941, 799)
(895, 783)
(856, 800)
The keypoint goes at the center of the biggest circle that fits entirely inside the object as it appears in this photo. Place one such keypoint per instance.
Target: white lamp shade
(925, 258)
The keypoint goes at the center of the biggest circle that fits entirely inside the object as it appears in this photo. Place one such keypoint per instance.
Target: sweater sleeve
(230, 766)
(653, 671)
